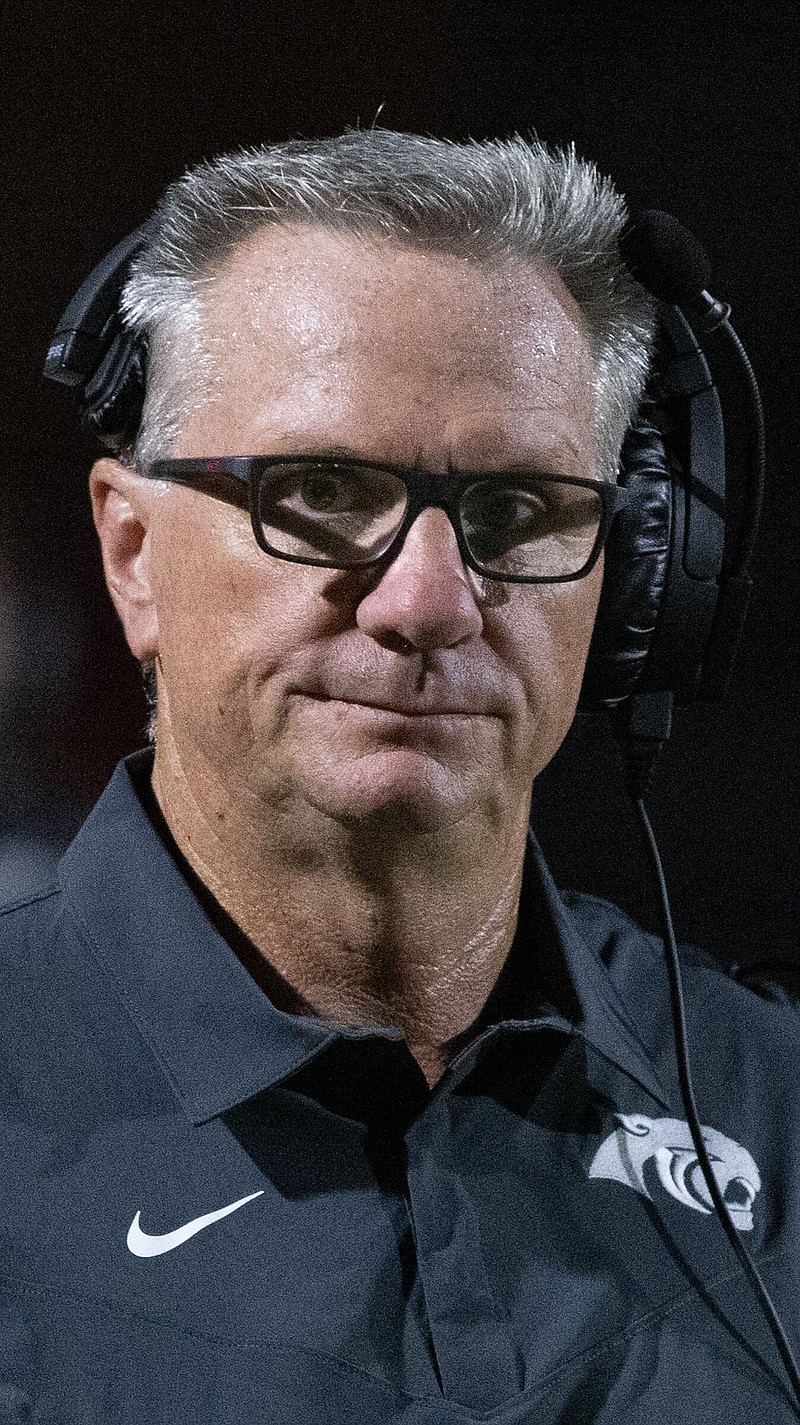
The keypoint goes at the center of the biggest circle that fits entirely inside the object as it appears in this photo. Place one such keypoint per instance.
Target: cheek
(573, 609)
(227, 614)
(551, 641)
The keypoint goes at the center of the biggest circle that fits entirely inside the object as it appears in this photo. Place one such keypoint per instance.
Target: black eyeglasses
(515, 526)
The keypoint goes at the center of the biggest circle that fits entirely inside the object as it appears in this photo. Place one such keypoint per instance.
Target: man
(324, 1105)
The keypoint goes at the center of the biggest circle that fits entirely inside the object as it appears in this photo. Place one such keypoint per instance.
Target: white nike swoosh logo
(143, 1245)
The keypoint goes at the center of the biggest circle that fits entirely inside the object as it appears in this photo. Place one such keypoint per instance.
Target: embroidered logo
(142, 1244)
(625, 1154)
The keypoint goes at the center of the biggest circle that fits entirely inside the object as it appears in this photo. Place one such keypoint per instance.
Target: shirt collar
(576, 978)
(215, 1033)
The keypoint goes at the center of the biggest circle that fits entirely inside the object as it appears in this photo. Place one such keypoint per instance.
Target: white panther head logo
(624, 1153)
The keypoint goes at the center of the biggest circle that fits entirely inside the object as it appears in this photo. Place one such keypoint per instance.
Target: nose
(424, 595)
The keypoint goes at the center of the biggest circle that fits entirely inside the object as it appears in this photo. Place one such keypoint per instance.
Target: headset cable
(641, 756)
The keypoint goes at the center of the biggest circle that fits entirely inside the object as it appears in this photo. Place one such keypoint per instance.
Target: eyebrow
(552, 456)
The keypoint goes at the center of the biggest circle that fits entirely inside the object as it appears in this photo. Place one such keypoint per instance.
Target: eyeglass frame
(425, 488)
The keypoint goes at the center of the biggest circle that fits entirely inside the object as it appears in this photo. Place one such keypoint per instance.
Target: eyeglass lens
(514, 524)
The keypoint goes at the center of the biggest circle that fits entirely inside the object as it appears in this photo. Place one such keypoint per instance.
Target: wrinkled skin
(372, 857)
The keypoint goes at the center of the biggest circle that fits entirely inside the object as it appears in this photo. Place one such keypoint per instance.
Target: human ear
(122, 504)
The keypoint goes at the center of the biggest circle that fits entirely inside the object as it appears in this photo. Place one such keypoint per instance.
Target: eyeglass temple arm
(184, 472)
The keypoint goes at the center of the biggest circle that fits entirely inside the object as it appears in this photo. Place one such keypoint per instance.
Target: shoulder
(28, 927)
(22, 915)
(619, 941)
(742, 1028)
(635, 961)
(35, 954)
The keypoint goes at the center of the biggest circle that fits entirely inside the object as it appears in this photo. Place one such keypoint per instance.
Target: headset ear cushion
(114, 395)
(92, 352)
(636, 564)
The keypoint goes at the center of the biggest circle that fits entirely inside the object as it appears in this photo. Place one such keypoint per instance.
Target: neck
(354, 924)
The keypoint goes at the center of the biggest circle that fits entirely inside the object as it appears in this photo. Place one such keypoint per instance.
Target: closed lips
(402, 704)
(405, 711)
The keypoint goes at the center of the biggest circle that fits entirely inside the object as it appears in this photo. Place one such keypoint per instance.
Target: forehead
(308, 326)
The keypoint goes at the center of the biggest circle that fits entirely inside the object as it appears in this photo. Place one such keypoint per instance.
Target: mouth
(393, 710)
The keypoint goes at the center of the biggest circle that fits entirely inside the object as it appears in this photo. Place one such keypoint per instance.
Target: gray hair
(481, 200)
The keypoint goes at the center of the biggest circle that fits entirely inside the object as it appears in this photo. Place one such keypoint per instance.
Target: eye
(329, 491)
(329, 511)
(499, 508)
(494, 505)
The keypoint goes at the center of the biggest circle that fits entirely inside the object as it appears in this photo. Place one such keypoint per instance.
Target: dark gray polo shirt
(214, 1211)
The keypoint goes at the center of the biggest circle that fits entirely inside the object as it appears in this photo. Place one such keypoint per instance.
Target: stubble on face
(321, 341)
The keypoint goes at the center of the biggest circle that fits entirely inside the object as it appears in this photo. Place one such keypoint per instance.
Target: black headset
(676, 584)
(673, 602)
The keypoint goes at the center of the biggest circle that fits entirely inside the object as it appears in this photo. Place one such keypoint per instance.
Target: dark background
(690, 106)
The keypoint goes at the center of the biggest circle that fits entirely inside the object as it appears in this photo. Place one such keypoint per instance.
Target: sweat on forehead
(278, 258)
(356, 327)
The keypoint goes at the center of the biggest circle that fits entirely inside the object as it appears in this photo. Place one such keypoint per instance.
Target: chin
(399, 793)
